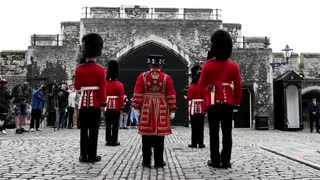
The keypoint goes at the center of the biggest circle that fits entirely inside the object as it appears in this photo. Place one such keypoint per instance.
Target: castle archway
(134, 61)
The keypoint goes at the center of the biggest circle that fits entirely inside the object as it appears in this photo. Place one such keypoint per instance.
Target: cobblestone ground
(54, 155)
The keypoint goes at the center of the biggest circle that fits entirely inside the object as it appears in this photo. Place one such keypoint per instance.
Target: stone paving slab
(301, 146)
(54, 155)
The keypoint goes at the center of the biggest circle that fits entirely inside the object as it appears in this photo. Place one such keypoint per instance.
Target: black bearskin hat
(221, 45)
(155, 59)
(195, 78)
(195, 73)
(113, 70)
(92, 44)
(195, 70)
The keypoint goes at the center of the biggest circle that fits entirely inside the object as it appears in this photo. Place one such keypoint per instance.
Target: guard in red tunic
(154, 100)
(220, 77)
(115, 103)
(196, 97)
(90, 81)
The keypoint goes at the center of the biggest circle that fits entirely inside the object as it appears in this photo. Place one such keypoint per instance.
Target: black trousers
(35, 116)
(112, 125)
(3, 117)
(89, 120)
(62, 117)
(220, 114)
(197, 126)
(70, 117)
(51, 118)
(157, 142)
(314, 118)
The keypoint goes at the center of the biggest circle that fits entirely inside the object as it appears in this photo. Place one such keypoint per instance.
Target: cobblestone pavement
(54, 155)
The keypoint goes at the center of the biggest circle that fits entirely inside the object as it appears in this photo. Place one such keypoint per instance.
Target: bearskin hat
(221, 45)
(195, 70)
(113, 70)
(195, 73)
(155, 59)
(196, 78)
(92, 45)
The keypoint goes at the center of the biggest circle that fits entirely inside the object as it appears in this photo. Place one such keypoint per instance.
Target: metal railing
(46, 40)
(151, 13)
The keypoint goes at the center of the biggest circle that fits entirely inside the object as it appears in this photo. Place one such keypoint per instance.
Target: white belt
(112, 98)
(90, 88)
(212, 93)
(197, 100)
(193, 101)
(86, 88)
(227, 84)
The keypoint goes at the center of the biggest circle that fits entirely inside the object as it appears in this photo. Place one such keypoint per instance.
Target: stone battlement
(142, 12)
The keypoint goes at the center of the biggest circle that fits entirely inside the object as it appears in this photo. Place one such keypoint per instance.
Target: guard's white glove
(137, 112)
(172, 115)
(235, 110)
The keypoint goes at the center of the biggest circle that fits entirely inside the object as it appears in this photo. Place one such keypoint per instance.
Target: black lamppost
(287, 52)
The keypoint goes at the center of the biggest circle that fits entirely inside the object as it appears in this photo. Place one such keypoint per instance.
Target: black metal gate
(135, 61)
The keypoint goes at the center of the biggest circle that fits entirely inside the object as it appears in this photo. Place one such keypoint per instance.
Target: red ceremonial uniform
(196, 97)
(222, 81)
(155, 97)
(90, 79)
(115, 95)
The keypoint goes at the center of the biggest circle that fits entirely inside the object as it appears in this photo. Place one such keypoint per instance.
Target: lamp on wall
(287, 52)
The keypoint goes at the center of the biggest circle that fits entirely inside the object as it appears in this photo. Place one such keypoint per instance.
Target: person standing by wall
(38, 100)
(125, 113)
(196, 98)
(220, 77)
(154, 101)
(71, 106)
(314, 109)
(62, 105)
(90, 81)
(115, 103)
(22, 94)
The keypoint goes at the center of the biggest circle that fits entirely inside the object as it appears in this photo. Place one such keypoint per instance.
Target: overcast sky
(293, 22)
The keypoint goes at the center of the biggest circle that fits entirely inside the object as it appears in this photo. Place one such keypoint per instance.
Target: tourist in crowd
(62, 97)
(125, 113)
(71, 106)
(38, 101)
(4, 105)
(22, 95)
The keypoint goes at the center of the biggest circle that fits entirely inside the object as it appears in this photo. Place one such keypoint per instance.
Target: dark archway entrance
(135, 61)
(242, 118)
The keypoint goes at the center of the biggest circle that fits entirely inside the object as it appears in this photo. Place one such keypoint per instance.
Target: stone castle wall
(55, 62)
(190, 36)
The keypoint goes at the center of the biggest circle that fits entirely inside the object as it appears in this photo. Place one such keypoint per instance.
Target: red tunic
(115, 95)
(155, 97)
(196, 98)
(224, 75)
(90, 79)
